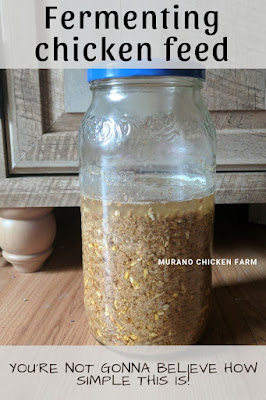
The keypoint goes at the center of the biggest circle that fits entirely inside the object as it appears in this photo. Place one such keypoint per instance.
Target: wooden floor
(46, 308)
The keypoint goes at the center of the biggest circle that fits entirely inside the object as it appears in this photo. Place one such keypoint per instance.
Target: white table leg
(26, 236)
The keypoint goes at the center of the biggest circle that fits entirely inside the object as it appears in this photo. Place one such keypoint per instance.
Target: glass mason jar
(147, 170)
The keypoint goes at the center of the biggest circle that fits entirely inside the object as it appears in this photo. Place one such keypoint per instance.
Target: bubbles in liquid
(138, 187)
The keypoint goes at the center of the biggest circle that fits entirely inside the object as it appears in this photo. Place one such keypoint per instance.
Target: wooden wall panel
(235, 89)
(63, 191)
(42, 139)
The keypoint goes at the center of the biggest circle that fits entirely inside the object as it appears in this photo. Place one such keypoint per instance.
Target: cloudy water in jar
(144, 186)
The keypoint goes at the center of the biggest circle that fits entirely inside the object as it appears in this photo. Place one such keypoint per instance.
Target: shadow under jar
(147, 153)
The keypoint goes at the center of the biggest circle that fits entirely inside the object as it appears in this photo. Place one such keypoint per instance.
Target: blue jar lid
(96, 74)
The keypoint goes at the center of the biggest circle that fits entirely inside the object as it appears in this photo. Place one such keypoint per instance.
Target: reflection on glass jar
(147, 151)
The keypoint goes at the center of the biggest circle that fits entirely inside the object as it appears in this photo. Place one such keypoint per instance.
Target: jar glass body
(147, 170)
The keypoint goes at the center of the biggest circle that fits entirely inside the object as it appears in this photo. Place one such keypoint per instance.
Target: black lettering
(181, 380)
(106, 379)
(165, 18)
(140, 47)
(56, 49)
(107, 19)
(75, 38)
(213, 25)
(68, 366)
(13, 367)
(228, 367)
(161, 368)
(43, 368)
(22, 368)
(48, 16)
(53, 369)
(212, 369)
(129, 17)
(171, 368)
(82, 15)
(251, 368)
(224, 53)
(95, 380)
(125, 48)
(85, 52)
(107, 50)
(198, 51)
(163, 380)
(38, 51)
(32, 369)
(238, 368)
(168, 45)
(182, 51)
(65, 19)
(176, 18)
(196, 19)
(153, 19)
(81, 380)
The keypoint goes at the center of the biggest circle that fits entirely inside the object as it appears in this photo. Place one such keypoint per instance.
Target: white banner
(155, 372)
(132, 34)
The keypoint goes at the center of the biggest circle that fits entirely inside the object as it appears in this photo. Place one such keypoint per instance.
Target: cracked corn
(129, 298)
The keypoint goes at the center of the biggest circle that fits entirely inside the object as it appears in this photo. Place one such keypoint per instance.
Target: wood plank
(69, 122)
(53, 311)
(23, 115)
(3, 155)
(241, 140)
(223, 120)
(242, 150)
(63, 191)
(240, 187)
(34, 100)
(241, 144)
(52, 96)
(235, 89)
(35, 103)
(223, 90)
(51, 153)
(3, 171)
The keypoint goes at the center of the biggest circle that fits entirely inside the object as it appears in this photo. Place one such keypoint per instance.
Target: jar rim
(100, 74)
(167, 80)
